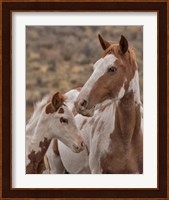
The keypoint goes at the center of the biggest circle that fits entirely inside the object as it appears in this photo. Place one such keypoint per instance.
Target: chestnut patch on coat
(83, 123)
(56, 102)
(125, 151)
(61, 111)
(36, 158)
(41, 167)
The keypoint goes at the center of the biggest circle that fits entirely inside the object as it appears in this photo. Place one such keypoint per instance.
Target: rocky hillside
(60, 58)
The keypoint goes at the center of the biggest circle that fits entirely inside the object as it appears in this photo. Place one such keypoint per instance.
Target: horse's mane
(38, 107)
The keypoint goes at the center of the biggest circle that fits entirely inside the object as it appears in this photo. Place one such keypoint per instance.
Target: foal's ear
(123, 44)
(104, 43)
(57, 101)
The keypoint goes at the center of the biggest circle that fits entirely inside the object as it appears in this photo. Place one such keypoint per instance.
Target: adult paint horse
(51, 119)
(116, 143)
(112, 129)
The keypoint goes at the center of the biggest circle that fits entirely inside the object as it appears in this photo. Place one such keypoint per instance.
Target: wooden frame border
(7, 7)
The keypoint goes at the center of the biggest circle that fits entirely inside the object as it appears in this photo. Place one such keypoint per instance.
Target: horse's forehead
(110, 58)
(63, 110)
(68, 114)
(106, 61)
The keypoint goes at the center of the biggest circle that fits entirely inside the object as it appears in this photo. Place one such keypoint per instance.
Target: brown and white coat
(51, 119)
(112, 128)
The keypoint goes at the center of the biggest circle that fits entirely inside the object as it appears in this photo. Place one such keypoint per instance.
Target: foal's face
(107, 83)
(62, 126)
(58, 121)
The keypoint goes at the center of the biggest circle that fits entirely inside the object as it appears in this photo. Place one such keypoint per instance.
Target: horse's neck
(30, 130)
(39, 140)
(125, 117)
(30, 127)
(33, 158)
(128, 117)
(128, 111)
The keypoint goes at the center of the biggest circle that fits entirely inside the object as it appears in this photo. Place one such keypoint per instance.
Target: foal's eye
(64, 120)
(112, 69)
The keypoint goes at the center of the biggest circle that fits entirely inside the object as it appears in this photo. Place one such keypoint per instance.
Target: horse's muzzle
(81, 107)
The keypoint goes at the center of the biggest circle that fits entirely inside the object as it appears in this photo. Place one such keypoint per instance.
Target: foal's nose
(83, 104)
(80, 147)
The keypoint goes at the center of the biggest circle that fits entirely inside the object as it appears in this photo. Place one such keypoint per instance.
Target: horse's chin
(77, 150)
(86, 112)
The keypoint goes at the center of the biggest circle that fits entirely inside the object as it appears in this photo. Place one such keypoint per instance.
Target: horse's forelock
(114, 49)
(129, 57)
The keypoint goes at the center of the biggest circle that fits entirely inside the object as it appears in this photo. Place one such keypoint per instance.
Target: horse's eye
(112, 69)
(64, 120)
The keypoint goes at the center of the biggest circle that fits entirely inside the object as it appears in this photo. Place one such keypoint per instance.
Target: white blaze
(100, 68)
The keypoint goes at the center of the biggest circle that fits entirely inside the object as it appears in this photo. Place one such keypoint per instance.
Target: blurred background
(60, 58)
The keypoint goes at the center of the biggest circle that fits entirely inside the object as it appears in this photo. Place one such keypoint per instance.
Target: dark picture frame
(6, 103)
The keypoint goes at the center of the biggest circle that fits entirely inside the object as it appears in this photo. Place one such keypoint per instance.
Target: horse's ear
(104, 43)
(57, 101)
(49, 109)
(123, 44)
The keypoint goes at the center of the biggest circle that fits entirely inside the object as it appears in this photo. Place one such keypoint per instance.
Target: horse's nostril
(76, 147)
(82, 144)
(83, 103)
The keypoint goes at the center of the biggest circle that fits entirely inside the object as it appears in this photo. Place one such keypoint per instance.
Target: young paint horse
(51, 119)
(77, 163)
(113, 127)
